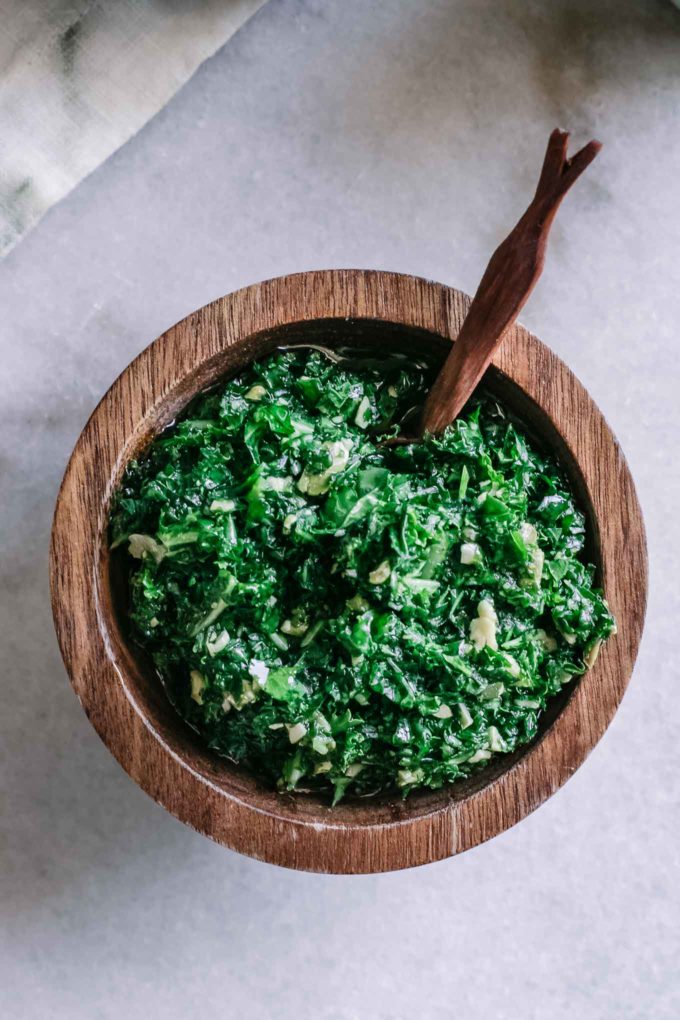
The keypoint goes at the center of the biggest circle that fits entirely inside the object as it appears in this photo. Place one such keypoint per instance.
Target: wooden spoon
(509, 279)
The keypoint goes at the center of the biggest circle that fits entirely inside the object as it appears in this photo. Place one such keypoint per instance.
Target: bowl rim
(188, 782)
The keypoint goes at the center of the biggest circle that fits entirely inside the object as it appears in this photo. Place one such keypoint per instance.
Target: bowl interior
(135, 670)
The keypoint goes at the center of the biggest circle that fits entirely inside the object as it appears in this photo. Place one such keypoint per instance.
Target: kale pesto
(339, 615)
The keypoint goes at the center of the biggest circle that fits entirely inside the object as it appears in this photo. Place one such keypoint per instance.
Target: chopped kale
(341, 615)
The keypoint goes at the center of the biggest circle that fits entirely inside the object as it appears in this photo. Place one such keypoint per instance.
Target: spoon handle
(508, 281)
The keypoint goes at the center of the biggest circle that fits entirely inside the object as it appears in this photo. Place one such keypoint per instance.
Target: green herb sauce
(338, 615)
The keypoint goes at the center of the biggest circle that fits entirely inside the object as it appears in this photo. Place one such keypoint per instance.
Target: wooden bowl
(122, 696)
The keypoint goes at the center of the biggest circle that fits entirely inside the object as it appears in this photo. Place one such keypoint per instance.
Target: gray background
(402, 136)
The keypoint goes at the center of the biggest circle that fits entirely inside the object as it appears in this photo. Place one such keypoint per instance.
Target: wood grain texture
(510, 277)
(123, 699)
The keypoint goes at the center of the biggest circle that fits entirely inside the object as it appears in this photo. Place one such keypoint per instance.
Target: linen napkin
(78, 78)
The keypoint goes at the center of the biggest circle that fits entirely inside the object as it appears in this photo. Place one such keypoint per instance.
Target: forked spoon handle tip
(509, 279)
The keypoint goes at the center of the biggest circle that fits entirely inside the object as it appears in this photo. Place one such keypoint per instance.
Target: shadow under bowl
(122, 694)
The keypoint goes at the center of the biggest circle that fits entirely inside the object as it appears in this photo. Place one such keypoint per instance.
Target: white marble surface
(397, 135)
